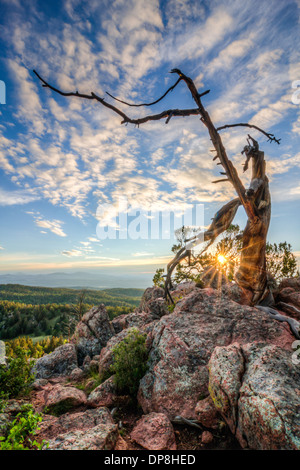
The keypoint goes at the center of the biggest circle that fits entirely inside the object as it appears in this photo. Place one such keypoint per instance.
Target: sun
(222, 259)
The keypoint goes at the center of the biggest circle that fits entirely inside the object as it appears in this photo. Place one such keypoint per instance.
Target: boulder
(104, 395)
(62, 361)
(121, 444)
(183, 289)
(289, 296)
(150, 294)
(292, 282)
(154, 432)
(256, 388)
(53, 426)
(183, 341)
(206, 438)
(153, 302)
(226, 370)
(77, 374)
(92, 333)
(207, 414)
(39, 384)
(86, 363)
(60, 399)
(100, 437)
(129, 320)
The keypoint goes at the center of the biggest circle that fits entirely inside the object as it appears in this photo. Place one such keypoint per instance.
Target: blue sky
(61, 159)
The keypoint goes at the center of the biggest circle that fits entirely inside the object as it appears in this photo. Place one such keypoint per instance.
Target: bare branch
(220, 181)
(271, 137)
(126, 119)
(147, 104)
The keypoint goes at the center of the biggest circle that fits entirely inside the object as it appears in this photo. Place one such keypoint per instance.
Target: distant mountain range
(79, 280)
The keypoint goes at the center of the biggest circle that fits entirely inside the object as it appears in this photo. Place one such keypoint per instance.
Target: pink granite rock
(207, 437)
(183, 341)
(256, 388)
(60, 399)
(92, 332)
(207, 414)
(104, 395)
(154, 432)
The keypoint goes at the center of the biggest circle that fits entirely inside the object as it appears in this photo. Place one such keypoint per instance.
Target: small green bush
(18, 436)
(16, 376)
(158, 278)
(130, 362)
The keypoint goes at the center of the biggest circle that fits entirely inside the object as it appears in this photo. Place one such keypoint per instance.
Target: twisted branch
(126, 119)
(146, 104)
(271, 137)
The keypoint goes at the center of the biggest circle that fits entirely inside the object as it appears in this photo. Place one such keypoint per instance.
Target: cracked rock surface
(183, 342)
(256, 388)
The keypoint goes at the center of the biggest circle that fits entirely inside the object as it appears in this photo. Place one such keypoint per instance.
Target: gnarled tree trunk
(252, 273)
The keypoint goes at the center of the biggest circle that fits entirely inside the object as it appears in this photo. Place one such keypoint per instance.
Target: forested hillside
(39, 311)
(47, 295)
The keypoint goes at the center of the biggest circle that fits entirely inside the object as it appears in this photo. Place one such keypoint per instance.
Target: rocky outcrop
(154, 432)
(183, 289)
(60, 399)
(92, 333)
(212, 359)
(183, 341)
(256, 388)
(53, 426)
(90, 430)
(104, 395)
(153, 302)
(134, 319)
(292, 282)
(288, 297)
(60, 362)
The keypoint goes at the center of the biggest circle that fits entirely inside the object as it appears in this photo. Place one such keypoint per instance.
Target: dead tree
(255, 200)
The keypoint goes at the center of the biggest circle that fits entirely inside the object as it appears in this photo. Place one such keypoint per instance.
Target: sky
(69, 168)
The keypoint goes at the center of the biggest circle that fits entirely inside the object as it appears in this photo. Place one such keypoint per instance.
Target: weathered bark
(252, 273)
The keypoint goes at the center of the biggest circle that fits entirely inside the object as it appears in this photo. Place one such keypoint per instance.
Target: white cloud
(94, 240)
(72, 253)
(86, 244)
(142, 253)
(30, 108)
(284, 164)
(53, 226)
(235, 50)
(10, 198)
